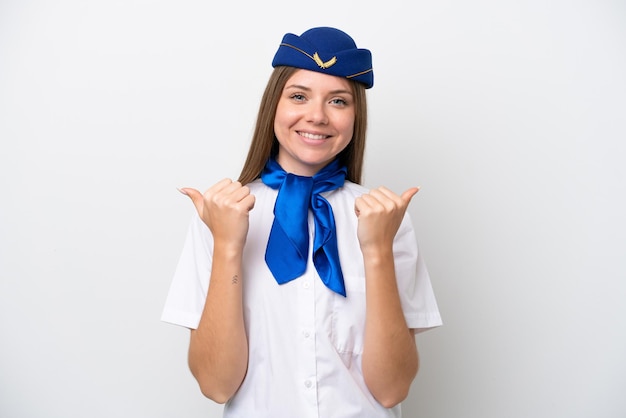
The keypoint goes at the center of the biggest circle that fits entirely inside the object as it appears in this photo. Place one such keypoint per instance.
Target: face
(314, 121)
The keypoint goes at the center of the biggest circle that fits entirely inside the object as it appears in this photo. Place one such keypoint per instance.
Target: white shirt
(305, 341)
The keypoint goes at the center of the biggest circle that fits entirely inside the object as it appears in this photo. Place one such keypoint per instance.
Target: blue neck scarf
(288, 245)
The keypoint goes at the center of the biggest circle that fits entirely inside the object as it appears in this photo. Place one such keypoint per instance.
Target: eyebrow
(301, 87)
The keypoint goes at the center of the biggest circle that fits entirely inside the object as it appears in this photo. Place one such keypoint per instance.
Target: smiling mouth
(313, 136)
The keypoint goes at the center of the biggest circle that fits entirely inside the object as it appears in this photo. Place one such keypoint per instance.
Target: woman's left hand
(380, 213)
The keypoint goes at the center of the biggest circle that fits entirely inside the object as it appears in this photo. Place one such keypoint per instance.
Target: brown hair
(265, 145)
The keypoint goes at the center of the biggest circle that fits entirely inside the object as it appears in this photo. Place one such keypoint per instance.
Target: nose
(317, 113)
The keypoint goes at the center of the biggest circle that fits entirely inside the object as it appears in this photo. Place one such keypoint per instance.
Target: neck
(303, 170)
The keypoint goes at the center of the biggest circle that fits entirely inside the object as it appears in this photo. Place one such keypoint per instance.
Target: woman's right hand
(225, 209)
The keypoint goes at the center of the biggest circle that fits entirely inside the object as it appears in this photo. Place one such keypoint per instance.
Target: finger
(385, 199)
(249, 201)
(383, 195)
(221, 185)
(195, 196)
(359, 204)
(238, 192)
(367, 202)
(408, 194)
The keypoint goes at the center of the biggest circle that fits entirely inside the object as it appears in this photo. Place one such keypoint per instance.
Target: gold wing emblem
(323, 64)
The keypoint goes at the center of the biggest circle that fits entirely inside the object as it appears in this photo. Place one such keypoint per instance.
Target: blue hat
(328, 51)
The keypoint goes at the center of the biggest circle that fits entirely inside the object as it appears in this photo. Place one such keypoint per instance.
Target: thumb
(409, 193)
(195, 196)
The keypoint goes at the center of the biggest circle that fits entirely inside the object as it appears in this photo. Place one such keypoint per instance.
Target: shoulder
(348, 190)
(264, 196)
(258, 188)
(346, 194)
(256, 185)
(354, 189)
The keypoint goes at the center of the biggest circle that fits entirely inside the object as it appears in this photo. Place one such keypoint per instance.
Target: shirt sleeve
(416, 292)
(187, 294)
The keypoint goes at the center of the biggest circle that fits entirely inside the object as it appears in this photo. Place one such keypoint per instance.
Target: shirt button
(306, 285)
(306, 334)
(308, 384)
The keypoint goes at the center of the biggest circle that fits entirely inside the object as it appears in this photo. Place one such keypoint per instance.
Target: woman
(302, 289)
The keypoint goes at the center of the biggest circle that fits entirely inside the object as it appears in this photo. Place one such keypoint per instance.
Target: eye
(297, 97)
(339, 101)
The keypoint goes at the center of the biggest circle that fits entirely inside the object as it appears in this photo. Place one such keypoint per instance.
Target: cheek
(347, 133)
(279, 125)
(350, 130)
(283, 120)
(347, 128)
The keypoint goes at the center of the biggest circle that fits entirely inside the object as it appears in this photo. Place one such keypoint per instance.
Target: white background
(509, 114)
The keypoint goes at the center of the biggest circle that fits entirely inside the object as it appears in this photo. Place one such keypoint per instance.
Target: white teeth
(312, 136)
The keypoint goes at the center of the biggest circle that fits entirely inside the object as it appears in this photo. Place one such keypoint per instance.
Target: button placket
(307, 360)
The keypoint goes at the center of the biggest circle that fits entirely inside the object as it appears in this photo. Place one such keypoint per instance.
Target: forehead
(314, 80)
